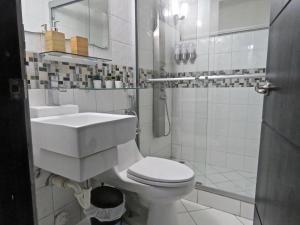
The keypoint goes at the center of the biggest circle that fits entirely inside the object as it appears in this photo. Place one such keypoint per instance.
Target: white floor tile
(191, 206)
(216, 178)
(180, 207)
(193, 196)
(247, 210)
(233, 176)
(185, 219)
(228, 186)
(219, 202)
(214, 217)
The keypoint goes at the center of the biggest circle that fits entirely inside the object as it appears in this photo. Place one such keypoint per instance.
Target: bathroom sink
(82, 134)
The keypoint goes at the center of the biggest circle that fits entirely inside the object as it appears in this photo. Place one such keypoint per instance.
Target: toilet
(159, 182)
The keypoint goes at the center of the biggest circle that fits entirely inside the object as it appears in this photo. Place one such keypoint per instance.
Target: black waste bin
(109, 203)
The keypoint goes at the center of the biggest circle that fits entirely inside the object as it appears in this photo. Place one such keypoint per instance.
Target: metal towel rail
(211, 77)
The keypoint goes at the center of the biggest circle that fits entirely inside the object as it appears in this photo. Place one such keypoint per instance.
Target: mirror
(85, 18)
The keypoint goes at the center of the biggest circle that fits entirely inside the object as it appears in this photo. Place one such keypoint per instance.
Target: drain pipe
(82, 195)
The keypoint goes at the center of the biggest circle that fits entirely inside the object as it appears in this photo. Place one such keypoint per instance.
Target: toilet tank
(128, 154)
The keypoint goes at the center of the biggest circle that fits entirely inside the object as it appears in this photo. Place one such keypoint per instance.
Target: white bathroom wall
(51, 201)
(242, 50)
(217, 126)
(121, 26)
(189, 116)
(241, 13)
(146, 17)
(146, 24)
(233, 129)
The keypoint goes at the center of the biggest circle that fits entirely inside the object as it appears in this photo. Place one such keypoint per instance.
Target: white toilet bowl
(160, 182)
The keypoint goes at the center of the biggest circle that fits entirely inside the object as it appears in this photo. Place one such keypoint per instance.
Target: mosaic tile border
(44, 74)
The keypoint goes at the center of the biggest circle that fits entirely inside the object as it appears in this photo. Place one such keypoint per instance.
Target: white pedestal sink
(82, 145)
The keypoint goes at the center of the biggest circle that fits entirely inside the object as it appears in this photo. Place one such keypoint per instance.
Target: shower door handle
(265, 89)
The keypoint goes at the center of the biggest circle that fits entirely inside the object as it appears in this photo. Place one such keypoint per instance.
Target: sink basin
(78, 146)
(82, 134)
(44, 111)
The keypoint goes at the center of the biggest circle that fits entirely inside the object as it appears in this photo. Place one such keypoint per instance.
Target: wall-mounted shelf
(97, 89)
(72, 58)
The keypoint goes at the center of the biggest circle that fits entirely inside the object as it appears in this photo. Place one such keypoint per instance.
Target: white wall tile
(223, 44)
(235, 161)
(252, 148)
(62, 197)
(73, 211)
(37, 97)
(254, 113)
(242, 41)
(41, 180)
(121, 9)
(242, 59)
(238, 95)
(260, 39)
(120, 30)
(146, 97)
(222, 61)
(44, 202)
(86, 100)
(236, 145)
(104, 100)
(66, 97)
(250, 164)
(49, 220)
(120, 99)
(253, 130)
(216, 158)
(146, 114)
(203, 46)
(238, 112)
(122, 54)
(218, 95)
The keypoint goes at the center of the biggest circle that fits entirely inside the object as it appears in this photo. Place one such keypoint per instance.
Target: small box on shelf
(79, 45)
(55, 41)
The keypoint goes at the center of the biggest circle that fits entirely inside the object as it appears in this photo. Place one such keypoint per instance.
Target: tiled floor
(225, 179)
(190, 213)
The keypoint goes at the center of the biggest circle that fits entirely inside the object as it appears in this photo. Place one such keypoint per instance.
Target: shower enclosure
(199, 61)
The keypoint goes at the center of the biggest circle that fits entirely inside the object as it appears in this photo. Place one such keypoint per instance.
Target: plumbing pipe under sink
(82, 195)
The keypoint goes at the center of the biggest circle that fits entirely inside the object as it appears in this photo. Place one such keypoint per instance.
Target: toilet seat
(160, 172)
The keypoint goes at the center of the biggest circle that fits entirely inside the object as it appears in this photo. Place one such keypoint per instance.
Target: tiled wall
(217, 126)
(242, 50)
(149, 145)
(121, 30)
(69, 75)
(51, 200)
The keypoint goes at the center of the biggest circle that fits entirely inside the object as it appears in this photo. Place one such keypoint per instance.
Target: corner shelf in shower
(71, 58)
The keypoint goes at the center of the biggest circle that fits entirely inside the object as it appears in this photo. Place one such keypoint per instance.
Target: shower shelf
(107, 89)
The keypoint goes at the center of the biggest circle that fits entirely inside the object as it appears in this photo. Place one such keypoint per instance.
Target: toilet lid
(152, 170)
